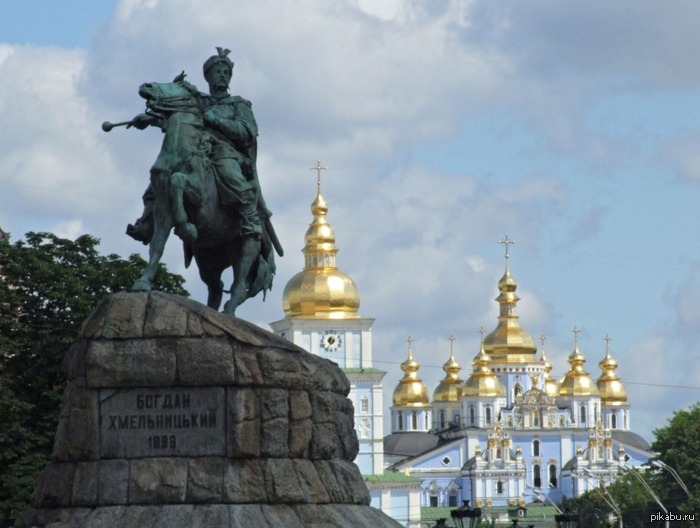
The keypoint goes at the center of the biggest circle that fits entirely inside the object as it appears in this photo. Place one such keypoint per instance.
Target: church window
(552, 476)
(472, 418)
(499, 454)
(488, 415)
(446, 461)
(595, 413)
(582, 414)
(499, 487)
(456, 419)
(433, 501)
(535, 448)
(414, 421)
(536, 476)
(536, 418)
(624, 421)
(427, 421)
(613, 421)
(442, 419)
(364, 405)
(453, 499)
(400, 420)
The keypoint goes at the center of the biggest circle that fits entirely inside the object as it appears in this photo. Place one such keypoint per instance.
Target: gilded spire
(612, 391)
(321, 290)
(577, 382)
(482, 382)
(509, 343)
(411, 391)
(450, 388)
(550, 384)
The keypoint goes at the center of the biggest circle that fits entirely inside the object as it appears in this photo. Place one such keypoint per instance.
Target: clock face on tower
(331, 341)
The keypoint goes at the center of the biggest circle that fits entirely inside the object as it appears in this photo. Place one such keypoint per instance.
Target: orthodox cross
(482, 331)
(318, 168)
(410, 341)
(543, 338)
(452, 342)
(607, 340)
(507, 242)
(576, 331)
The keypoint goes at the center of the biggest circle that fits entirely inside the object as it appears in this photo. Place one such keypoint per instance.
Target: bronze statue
(205, 185)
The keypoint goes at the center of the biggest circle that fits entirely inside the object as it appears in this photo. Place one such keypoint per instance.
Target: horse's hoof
(230, 308)
(141, 285)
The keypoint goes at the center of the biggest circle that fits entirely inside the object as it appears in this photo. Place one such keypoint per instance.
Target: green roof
(390, 476)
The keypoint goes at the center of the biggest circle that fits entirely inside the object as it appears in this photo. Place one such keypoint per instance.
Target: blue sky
(574, 128)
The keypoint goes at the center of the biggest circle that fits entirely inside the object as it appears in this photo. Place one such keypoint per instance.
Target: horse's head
(170, 97)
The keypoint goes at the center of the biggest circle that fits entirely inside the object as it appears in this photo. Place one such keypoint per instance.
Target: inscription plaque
(156, 422)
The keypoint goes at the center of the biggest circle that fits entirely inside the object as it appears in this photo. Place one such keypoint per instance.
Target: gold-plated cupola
(550, 385)
(612, 391)
(577, 382)
(482, 382)
(509, 343)
(411, 391)
(450, 387)
(321, 290)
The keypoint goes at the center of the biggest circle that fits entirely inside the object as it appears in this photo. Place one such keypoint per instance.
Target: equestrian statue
(204, 185)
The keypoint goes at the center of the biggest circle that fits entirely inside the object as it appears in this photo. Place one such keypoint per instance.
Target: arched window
(499, 487)
(414, 421)
(536, 476)
(472, 418)
(442, 419)
(536, 448)
(400, 417)
(488, 415)
(582, 414)
(613, 421)
(624, 420)
(552, 476)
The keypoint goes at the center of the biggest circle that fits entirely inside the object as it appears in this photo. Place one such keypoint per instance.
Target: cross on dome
(507, 242)
(318, 168)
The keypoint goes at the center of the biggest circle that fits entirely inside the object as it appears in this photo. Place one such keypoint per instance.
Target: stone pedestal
(178, 416)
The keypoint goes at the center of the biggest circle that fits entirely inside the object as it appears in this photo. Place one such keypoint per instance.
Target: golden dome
(612, 391)
(482, 382)
(577, 382)
(509, 343)
(551, 387)
(321, 290)
(411, 391)
(450, 388)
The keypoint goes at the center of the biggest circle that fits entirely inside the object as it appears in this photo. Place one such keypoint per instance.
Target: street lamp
(605, 494)
(441, 523)
(673, 472)
(646, 486)
(540, 496)
(465, 512)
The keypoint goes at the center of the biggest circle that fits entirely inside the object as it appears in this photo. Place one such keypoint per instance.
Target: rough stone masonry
(178, 416)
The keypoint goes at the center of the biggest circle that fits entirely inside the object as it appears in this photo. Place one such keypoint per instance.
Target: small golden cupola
(612, 391)
(450, 387)
(411, 391)
(321, 290)
(483, 382)
(509, 343)
(577, 382)
(550, 386)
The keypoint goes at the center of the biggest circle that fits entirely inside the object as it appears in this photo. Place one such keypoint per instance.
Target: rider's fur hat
(222, 56)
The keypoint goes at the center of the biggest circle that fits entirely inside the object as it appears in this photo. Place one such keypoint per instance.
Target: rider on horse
(233, 133)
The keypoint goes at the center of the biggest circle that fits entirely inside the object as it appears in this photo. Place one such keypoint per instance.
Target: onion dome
(577, 382)
(509, 343)
(482, 382)
(411, 391)
(450, 388)
(550, 386)
(612, 391)
(321, 290)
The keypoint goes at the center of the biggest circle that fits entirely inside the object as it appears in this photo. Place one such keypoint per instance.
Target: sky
(572, 127)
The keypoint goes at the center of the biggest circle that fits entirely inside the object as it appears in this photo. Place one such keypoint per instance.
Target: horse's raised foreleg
(161, 232)
(183, 228)
(247, 258)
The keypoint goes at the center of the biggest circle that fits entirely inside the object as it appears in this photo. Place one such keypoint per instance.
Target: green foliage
(678, 445)
(48, 286)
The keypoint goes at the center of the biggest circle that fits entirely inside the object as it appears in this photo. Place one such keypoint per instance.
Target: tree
(678, 445)
(48, 286)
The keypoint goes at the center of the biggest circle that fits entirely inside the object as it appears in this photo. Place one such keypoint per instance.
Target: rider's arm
(240, 127)
(144, 120)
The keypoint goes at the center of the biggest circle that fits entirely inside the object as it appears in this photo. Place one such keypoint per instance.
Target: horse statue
(186, 198)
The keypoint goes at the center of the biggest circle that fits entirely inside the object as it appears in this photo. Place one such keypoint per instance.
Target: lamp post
(539, 495)
(646, 486)
(605, 494)
(673, 473)
(441, 523)
(465, 512)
